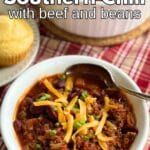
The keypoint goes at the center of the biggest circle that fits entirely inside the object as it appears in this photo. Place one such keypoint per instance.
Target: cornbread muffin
(16, 38)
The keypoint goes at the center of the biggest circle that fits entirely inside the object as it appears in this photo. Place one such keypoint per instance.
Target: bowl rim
(61, 58)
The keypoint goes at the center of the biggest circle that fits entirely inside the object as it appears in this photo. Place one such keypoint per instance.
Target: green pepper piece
(77, 125)
(85, 138)
(97, 117)
(52, 132)
(76, 110)
(82, 121)
(44, 97)
(84, 94)
(38, 147)
(63, 77)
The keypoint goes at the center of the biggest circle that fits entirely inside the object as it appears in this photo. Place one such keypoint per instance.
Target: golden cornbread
(16, 38)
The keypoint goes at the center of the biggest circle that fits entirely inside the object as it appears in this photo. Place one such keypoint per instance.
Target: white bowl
(58, 65)
(99, 28)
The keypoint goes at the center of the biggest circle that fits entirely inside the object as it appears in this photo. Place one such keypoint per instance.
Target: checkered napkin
(132, 57)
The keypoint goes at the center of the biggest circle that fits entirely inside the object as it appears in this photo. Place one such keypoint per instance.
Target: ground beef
(34, 125)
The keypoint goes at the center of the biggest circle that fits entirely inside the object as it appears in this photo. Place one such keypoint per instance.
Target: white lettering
(21, 13)
(10, 2)
(46, 2)
(23, 2)
(109, 2)
(70, 2)
(86, 2)
(51, 14)
(35, 2)
(124, 2)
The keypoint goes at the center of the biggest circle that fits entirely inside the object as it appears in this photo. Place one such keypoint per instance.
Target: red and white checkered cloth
(132, 57)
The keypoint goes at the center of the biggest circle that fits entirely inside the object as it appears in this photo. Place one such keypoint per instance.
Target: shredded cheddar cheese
(104, 116)
(85, 126)
(104, 138)
(61, 117)
(101, 123)
(103, 145)
(111, 125)
(46, 103)
(62, 100)
(90, 100)
(69, 85)
(107, 100)
(82, 109)
(91, 118)
(79, 121)
(69, 127)
(71, 104)
(113, 106)
(51, 89)
(83, 129)
(82, 114)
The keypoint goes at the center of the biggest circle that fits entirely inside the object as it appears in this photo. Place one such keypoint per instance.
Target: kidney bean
(17, 125)
(27, 101)
(126, 129)
(52, 114)
(71, 95)
(36, 110)
(75, 92)
(60, 84)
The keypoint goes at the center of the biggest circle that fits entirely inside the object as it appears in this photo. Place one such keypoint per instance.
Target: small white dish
(99, 27)
(58, 65)
(7, 74)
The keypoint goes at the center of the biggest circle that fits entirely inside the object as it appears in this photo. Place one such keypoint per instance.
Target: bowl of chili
(47, 109)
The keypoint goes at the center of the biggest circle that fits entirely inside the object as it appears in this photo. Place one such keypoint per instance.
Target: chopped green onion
(76, 110)
(97, 117)
(44, 97)
(64, 106)
(88, 116)
(76, 105)
(77, 125)
(67, 90)
(85, 138)
(84, 94)
(63, 77)
(82, 121)
(52, 132)
(38, 147)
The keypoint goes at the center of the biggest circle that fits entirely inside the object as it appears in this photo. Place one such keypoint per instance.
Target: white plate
(7, 74)
(58, 65)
